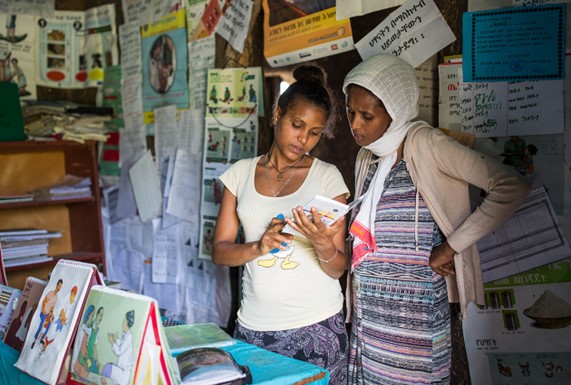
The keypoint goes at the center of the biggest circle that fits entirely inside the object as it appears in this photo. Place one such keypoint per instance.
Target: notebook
(55, 321)
(120, 341)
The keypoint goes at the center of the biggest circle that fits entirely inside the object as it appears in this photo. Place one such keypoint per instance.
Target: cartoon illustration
(213, 95)
(19, 325)
(284, 255)
(505, 371)
(5, 70)
(80, 360)
(19, 77)
(122, 347)
(252, 94)
(47, 309)
(92, 342)
(11, 36)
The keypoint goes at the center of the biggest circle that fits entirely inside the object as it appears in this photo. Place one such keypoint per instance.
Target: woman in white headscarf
(414, 234)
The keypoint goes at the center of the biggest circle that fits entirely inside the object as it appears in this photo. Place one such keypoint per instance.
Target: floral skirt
(323, 344)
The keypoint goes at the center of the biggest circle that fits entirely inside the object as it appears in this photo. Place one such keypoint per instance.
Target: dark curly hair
(310, 87)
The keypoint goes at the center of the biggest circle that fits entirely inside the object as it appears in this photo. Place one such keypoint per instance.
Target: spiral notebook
(120, 340)
(55, 320)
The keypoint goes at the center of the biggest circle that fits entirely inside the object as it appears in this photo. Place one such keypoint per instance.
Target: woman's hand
(442, 260)
(313, 227)
(273, 238)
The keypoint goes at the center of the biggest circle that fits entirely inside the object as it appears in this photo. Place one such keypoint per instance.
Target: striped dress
(401, 319)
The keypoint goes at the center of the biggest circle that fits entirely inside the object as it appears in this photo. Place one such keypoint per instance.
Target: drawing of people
(66, 310)
(227, 95)
(10, 27)
(207, 238)
(252, 94)
(11, 36)
(20, 77)
(79, 361)
(63, 315)
(214, 94)
(45, 328)
(92, 342)
(217, 190)
(120, 372)
(5, 71)
(48, 304)
(17, 324)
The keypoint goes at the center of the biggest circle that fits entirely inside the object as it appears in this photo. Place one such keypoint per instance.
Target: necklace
(281, 173)
(275, 194)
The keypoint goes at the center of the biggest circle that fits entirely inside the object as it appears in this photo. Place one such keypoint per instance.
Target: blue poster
(514, 44)
(164, 52)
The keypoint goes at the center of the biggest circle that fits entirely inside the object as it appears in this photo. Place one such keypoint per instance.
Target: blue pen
(282, 217)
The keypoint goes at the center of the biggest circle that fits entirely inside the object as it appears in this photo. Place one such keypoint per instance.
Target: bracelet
(330, 259)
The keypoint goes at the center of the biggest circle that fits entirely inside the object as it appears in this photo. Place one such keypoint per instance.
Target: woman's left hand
(313, 227)
(442, 259)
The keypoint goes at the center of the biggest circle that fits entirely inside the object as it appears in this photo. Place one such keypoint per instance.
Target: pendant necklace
(281, 173)
(275, 194)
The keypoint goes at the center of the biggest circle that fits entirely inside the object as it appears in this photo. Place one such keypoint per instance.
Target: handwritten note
(233, 26)
(506, 109)
(130, 39)
(514, 44)
(414, 32)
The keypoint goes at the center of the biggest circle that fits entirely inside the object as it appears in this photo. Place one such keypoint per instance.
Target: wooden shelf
(28, 166)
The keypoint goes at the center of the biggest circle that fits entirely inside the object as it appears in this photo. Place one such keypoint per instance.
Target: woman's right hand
(273, 239)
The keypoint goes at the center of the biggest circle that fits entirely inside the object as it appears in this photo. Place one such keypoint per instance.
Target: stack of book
(26, 246)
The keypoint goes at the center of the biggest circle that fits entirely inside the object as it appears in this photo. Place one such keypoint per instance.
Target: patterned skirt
(401, 319)
(323, 344)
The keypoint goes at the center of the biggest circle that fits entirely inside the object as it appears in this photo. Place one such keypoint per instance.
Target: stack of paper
(70, 187)
(25, 246)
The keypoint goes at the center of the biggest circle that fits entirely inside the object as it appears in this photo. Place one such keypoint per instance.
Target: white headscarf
(393, 81)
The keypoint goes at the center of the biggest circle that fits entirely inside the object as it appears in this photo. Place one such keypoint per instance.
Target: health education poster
(100, 42)
(231, 133)
(164, 52)
(521, 336)
(61, 57)
(303, 30)
(514, 44)
(234, 92)
(18, 51)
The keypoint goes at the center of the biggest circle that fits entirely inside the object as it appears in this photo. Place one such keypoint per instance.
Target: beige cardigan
(442, 170)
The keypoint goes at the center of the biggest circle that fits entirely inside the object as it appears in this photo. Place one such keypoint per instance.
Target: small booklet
(329, 211)
(189, 336)
(211, 366)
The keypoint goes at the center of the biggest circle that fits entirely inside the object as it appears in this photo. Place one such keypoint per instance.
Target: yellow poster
(296, 31)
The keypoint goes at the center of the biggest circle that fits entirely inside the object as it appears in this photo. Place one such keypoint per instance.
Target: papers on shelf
(69, 187)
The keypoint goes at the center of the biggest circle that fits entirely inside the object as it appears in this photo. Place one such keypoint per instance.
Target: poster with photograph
(61, 41)
(226, 140)
(18, 51)
(521, 336)
(297, 31)
(164, 52)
